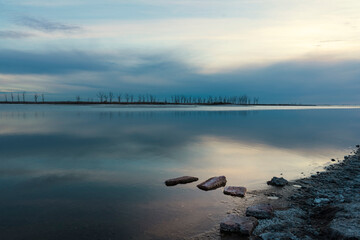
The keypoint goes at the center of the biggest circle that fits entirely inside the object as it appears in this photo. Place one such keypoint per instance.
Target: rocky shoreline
(323, 206)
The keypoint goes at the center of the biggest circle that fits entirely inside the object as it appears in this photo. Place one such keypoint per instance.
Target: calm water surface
(97, 172)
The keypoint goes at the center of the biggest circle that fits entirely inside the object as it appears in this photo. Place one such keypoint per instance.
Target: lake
(98, 172)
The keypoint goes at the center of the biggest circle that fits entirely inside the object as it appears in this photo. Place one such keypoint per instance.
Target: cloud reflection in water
(78, 171)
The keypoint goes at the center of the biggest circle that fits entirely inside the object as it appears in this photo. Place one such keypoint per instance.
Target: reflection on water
(83, 172)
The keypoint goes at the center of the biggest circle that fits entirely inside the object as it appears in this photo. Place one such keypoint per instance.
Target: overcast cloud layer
(281, 51)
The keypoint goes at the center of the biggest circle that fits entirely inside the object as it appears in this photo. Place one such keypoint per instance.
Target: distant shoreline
(174, 104)
(154, 103)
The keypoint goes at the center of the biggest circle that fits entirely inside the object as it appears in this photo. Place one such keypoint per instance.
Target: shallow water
(98, 172)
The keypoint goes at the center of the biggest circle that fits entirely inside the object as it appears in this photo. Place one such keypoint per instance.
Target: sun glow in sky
(282, 51)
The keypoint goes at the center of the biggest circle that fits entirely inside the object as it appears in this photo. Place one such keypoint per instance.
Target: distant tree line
(21, 97)
(127, 98)
(110, 97)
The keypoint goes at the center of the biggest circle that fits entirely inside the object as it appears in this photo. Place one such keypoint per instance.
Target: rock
(180, 180)
(213, 183)
(235, 191)
(280, 182)
(358, 146)
(261, 211)
(345, 228)
(237, 224)
(321, 200)
(273, 195)
(278, 236)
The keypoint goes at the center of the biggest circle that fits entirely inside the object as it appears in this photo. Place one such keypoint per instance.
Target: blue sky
(281, 51)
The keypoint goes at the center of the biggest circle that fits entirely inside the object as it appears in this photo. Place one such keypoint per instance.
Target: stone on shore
(261, 211)
(277, 236)
(236, 224)
(213, 183)
(326, 207)
(180, 180)
(321, 200)
(345, 228)
(235, 191)
(279, 182)
(346, 222)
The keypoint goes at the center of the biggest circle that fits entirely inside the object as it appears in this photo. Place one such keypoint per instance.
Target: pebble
(321, 200)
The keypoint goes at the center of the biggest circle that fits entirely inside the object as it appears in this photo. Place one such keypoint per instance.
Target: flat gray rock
(279, 182)
(213, 183)
(236, 224)
(180, 180)
(235, 191)
(261, 211)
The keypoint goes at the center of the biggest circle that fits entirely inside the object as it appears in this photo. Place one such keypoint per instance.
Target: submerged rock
(237, 224)
(261, 211)
(213, 183)
(279, 182)
(235, 191)
(180, 180)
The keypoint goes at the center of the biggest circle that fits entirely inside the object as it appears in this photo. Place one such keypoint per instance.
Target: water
(98, 172)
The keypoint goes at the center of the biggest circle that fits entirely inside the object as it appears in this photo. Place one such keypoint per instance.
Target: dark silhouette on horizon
(146, 99)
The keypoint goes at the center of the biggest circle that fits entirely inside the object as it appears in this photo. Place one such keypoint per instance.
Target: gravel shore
(327, 206)
(323, 206)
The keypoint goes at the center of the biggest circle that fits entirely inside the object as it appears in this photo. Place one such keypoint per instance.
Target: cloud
(163, 74)
(284, 82)
(19, 62)
(46, 25)
(14, 34)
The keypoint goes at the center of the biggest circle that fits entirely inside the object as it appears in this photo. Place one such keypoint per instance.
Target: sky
(282, 51)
